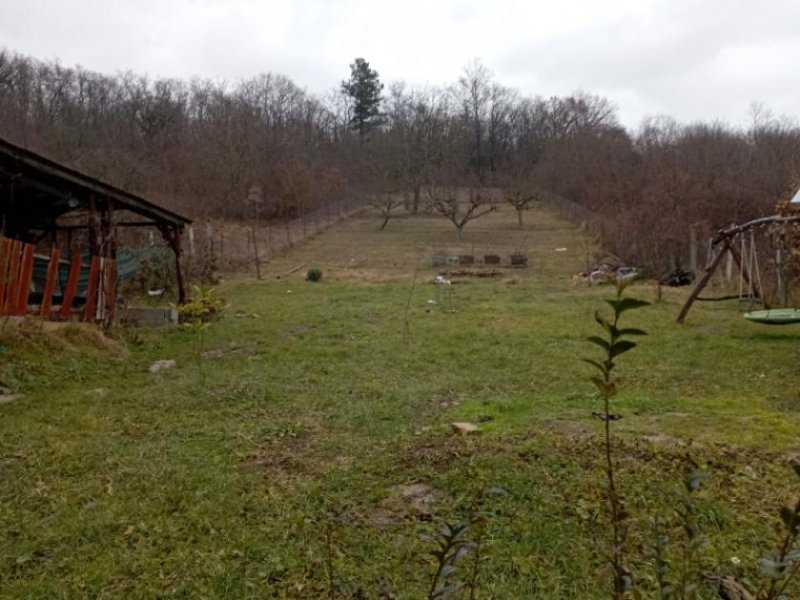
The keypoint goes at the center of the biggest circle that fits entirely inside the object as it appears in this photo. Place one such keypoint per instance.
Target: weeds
(451, 546)
(202, 309)
(782, 567)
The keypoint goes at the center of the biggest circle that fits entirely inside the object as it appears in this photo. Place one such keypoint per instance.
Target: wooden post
(26, 273)
(91, 291)
(14, 260)
(172, 235)
(693, 249)
(50, 284)
(222, 249)
(5, 266)
(111, 291)
(710, 268)
(781, 285)
(729, 267)
(72, 287)
(94, 229)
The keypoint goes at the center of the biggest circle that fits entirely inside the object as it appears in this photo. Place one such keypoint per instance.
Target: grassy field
(309, 449)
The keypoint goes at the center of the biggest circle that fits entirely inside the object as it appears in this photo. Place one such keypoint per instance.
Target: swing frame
(722, 244)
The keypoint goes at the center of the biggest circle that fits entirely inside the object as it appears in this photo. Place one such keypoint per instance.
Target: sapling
(196, 314)
(451, 547)
(613, 344)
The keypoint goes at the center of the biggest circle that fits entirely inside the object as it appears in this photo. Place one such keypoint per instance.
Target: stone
(8, 395)
(464, 428)
(161, 365)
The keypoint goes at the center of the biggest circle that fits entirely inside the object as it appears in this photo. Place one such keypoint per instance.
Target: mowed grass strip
(288, 463)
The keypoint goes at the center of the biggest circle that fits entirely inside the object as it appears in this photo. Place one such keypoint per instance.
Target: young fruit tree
(521, 197)
(444, 200)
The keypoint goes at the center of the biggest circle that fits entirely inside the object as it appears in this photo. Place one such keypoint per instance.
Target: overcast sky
(691, 59)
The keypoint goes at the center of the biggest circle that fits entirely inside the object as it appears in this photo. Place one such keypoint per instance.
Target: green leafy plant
(196, 314)
(314, 274)
(613, 344)
(451, 546)
(783, 566)
(679, 578)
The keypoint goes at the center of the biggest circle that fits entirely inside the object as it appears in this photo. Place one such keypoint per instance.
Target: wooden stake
(50, 284)
(26, 274)
(91, 292)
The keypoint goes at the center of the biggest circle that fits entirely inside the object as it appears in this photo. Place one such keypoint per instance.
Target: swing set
(739, 245)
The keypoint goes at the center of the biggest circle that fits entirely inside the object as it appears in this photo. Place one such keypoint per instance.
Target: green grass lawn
(282, 461)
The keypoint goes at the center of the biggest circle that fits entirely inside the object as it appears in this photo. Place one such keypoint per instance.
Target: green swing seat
(774, 316)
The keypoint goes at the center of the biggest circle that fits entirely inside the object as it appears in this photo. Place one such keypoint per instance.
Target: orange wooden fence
(16, 273)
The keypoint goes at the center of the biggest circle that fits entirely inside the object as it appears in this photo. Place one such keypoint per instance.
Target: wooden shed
(41, 199)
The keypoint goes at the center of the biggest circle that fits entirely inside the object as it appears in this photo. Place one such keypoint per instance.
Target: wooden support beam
(91, 292)
(72, 287)
(111, 291)
(122, 224)
(50, 284)
(94, 228)
(25, 276)
(172, 235)
(731, 232)
(712, 265)
(5, 267)
(14, 260)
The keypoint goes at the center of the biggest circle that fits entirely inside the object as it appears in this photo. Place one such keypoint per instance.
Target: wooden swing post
(722, 244)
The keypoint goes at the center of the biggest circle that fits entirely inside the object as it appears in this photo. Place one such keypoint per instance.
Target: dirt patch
(297, 330)
(409, 501)
(437, 451)
(566, 427)
(445, 401)
(659, 439)
(7, 395)
(283, 461)
(238, 348)
(478, 273)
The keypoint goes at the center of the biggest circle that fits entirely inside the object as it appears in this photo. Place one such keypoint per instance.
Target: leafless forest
(197, 146)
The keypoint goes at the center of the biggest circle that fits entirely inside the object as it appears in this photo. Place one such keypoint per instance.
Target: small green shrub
(197, 314)
(314, 274)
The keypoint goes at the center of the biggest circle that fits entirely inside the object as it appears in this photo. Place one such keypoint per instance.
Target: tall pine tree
(364, 90)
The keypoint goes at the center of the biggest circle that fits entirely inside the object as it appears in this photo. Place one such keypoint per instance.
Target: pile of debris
(606, 273)
(677, 278)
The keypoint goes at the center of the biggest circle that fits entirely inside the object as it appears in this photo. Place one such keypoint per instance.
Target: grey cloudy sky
(691, 59)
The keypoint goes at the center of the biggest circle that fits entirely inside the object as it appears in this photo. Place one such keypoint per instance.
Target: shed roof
(35, 191)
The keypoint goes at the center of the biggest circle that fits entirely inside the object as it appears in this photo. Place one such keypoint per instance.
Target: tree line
(198, 145)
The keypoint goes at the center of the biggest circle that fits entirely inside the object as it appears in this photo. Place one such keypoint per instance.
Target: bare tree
(444, 200)
(521, 197)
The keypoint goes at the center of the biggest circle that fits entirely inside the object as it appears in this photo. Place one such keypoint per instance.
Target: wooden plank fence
(16, 275)
(16, 271)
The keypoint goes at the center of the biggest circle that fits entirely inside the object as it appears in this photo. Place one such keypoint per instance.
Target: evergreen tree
(364, 90)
